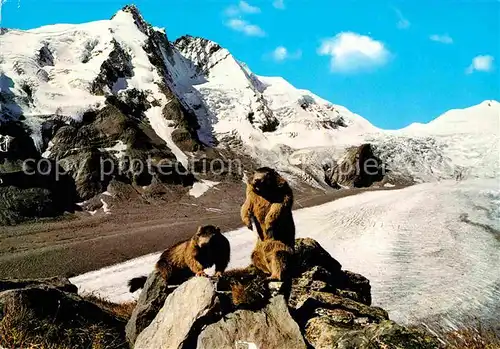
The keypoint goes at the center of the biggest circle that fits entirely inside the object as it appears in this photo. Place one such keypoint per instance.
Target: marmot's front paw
(218, 274)
(250, 226)
(201, 273)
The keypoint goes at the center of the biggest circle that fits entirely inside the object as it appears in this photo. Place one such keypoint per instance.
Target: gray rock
(386, 334)
(306, 302)
(151, 300)
(359, 167)
(325, 332)
(322, 332)
(272, 327)
(309, 254)
(171, 328)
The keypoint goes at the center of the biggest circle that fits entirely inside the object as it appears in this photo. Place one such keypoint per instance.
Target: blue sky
(392, 62)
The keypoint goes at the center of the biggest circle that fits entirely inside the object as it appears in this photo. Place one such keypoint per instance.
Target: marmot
(273, 257)
(268, 208)
(185, 259)
(269, 199)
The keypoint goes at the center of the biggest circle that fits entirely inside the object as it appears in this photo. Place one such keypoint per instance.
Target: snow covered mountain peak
(483, 118)
(193, 94)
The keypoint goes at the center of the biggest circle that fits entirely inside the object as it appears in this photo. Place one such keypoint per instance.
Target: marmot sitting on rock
(268, 208)
(269, 199)
(206, 248)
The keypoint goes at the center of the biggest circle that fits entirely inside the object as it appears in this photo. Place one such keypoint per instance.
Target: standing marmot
(185, 259)
(269, 199)
(268, 207)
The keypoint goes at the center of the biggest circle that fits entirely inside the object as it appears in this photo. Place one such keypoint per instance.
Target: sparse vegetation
(28, 331)
(120, 310)
(476, 337)
(62, 321)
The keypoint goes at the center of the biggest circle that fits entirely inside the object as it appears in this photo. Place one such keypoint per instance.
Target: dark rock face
(358, 168)
(118, 65)
(48, 313)
(269, 122)
(29, 188)
(189, 43)
(322, 307)
(15, 142)
(83, 150)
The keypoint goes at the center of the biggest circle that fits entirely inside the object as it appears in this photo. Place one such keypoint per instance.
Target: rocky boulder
(271, 327)
(333, 332)
(359, 167)
(179, 316)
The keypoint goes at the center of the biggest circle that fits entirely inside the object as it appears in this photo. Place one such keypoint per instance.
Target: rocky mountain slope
(118, 108)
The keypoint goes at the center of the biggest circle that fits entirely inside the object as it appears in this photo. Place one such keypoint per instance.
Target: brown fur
(206, 248)
(269, 199)
(268, 208)
(248, 287)
(249, 295)
(273, 258)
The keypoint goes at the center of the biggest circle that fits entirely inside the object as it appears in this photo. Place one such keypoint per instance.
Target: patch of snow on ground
(425, 264)
(113, 280)
(119, 149)
(200, 188)
(163, 129)
(105, 207)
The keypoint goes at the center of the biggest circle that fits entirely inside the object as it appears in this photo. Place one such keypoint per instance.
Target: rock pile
(323, 307)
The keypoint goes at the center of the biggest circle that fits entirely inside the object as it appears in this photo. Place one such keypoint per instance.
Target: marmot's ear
(217, 229)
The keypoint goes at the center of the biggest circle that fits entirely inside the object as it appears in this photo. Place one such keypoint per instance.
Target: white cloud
(351, 52)
(245, 27)
(403, 23)
(444, 39)
(279, 4)
(243, 7)
(482, 63)
(281, 53)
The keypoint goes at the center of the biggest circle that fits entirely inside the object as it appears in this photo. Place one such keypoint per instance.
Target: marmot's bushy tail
(137, 283)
